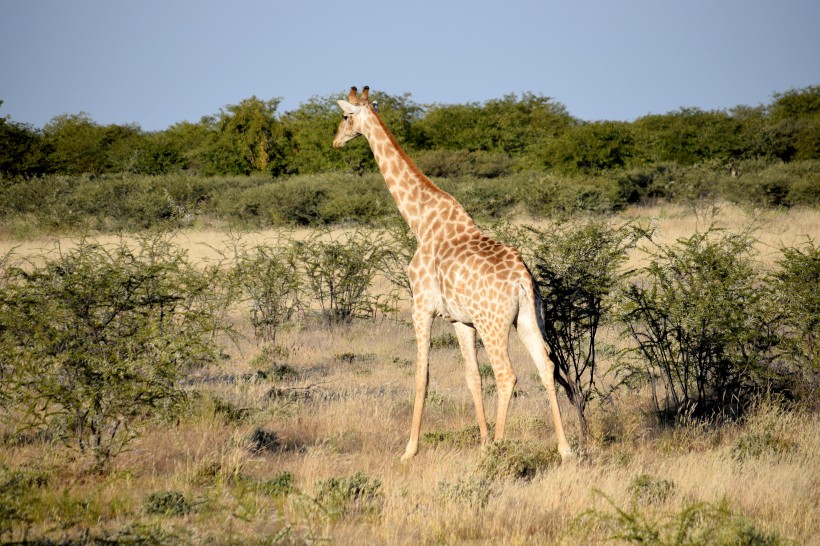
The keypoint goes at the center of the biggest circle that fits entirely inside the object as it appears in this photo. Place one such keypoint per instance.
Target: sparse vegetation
(158, 391)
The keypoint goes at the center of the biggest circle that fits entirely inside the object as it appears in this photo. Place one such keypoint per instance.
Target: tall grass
(312, 453)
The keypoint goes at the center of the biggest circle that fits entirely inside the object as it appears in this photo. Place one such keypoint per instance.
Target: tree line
(515, 133)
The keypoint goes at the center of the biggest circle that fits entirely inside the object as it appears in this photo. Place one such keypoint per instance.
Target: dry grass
(347, 410)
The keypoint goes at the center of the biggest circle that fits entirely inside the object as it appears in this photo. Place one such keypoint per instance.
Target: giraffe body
(460, 274)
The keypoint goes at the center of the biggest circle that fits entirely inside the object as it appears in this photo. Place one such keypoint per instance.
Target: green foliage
(510, 125)
(19, 499)
(647, 489)
(590, 147)
(517, 460)
(343, 496)
(445, 340)
(96, 338)
(795, 287)
(474, 493)
(281, 485)
(338, 274)
(495, 138)
(20, 149)
(694, 525)
(700, 325)
(167, 503)
(577, 267)
(268, 278)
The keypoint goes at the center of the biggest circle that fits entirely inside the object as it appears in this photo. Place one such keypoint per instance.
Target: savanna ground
(299, 442)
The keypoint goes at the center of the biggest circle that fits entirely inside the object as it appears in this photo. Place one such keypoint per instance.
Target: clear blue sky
(158, 62)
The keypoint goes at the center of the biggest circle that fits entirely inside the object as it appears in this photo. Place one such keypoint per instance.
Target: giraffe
(457, 273)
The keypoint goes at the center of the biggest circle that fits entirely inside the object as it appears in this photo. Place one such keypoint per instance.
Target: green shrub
(519, 460)
(794, 287)
(445, 340)
(167, 503)
(19, 499)
(347, 495)
(100, 337)
(647, 489)
(267, 276)
(695, 524)
(281, 485)
(578, 268)
(338, 274)
(703, 337)
(474, 493)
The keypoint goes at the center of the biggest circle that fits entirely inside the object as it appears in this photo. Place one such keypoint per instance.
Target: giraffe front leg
(422, 321)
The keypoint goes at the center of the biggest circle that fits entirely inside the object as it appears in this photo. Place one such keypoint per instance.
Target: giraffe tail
(532, 296)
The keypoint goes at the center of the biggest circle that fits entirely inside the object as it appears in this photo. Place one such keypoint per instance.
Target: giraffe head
(355, 109)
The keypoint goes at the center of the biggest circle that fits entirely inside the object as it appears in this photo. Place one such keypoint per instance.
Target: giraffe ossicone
(480, 285)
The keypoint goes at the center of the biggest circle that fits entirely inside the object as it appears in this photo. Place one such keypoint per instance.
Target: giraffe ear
(348, 108)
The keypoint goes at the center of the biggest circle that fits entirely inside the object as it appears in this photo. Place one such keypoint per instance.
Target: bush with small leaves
(167, 503)
(695, 524)
(795, 287)
(268, 277)
(703, 335)
(346, 495)
(281, 485)
(338, 274)
(473, 493)
(647, 489)
(518, 460)
(100, 337)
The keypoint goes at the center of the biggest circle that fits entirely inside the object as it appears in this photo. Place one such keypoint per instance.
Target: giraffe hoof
(409, 453)
(567, 456)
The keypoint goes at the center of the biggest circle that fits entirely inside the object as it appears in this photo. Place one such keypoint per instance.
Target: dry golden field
(308, 451)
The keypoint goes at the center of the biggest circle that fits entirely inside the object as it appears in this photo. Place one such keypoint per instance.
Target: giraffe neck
(419, 201)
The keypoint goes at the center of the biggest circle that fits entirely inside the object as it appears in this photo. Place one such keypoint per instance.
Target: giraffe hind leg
(530, 334)
(466, 340)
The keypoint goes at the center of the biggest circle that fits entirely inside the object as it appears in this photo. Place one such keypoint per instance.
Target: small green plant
(338, 274)
(647, 489)
(281, 485)
(350, 357)
(346, 495)
(473, 492)
(19, 499)
(167, 503)
(756, 444)
(518, 460)
(696, 524)
(445, 340)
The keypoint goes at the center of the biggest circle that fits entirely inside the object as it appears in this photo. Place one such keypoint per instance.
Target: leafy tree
(248, 138)
(795, 115)
(578, 268)
(338, 274)
(509, 125)
(591, 147)
(700, 325)
(96, 338)
(796, 291)
(20, 149)
(309, 131)
(76, 144)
